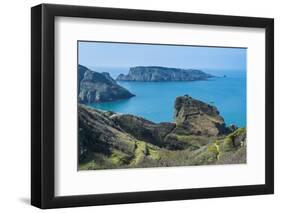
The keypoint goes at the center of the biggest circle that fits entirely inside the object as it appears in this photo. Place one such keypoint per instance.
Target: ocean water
(155, 100)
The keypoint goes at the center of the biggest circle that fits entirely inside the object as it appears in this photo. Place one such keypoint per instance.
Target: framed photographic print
(139, 106)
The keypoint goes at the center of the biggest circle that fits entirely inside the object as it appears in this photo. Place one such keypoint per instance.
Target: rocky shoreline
(95, 87)
(198, 136)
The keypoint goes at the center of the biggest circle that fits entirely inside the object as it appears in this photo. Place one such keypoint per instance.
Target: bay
(155, 100)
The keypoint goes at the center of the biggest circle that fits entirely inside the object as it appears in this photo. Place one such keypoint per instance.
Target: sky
(106, 54)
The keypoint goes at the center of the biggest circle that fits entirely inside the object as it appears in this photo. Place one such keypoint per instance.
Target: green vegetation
(108, 140)
(193, 141)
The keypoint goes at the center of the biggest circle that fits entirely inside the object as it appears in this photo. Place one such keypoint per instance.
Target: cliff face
(155, 73)
(98, 87)
(197, 117)
(111, 140)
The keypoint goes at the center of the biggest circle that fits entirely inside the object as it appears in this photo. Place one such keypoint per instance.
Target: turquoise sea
(155, 100)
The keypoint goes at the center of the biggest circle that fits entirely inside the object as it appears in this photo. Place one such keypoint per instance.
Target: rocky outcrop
(143, 129)
(197, 137)
(99, 134)
(98, 87)
(103, 144)
(156, 73)
(197, 117)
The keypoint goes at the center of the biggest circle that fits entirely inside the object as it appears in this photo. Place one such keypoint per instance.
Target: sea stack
(198, 117)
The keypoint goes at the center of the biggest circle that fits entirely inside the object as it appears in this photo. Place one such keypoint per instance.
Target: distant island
(94, 87)
(158, 73)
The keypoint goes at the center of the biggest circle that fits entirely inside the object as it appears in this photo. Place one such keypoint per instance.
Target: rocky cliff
(156, 73)
(98, 87)
(197, 117)
(197, 137)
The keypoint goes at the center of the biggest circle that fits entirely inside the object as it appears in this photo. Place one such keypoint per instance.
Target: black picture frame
(43, 102)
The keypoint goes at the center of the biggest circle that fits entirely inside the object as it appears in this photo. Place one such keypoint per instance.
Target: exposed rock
(139, 127)
(238, 137)
(104, 144)
(156, 73)
(143, 129)
(99, 134)
(231, 128)
(98, 87)
(233, 148)
(196, 117)
(108, 77)
(198, 137)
